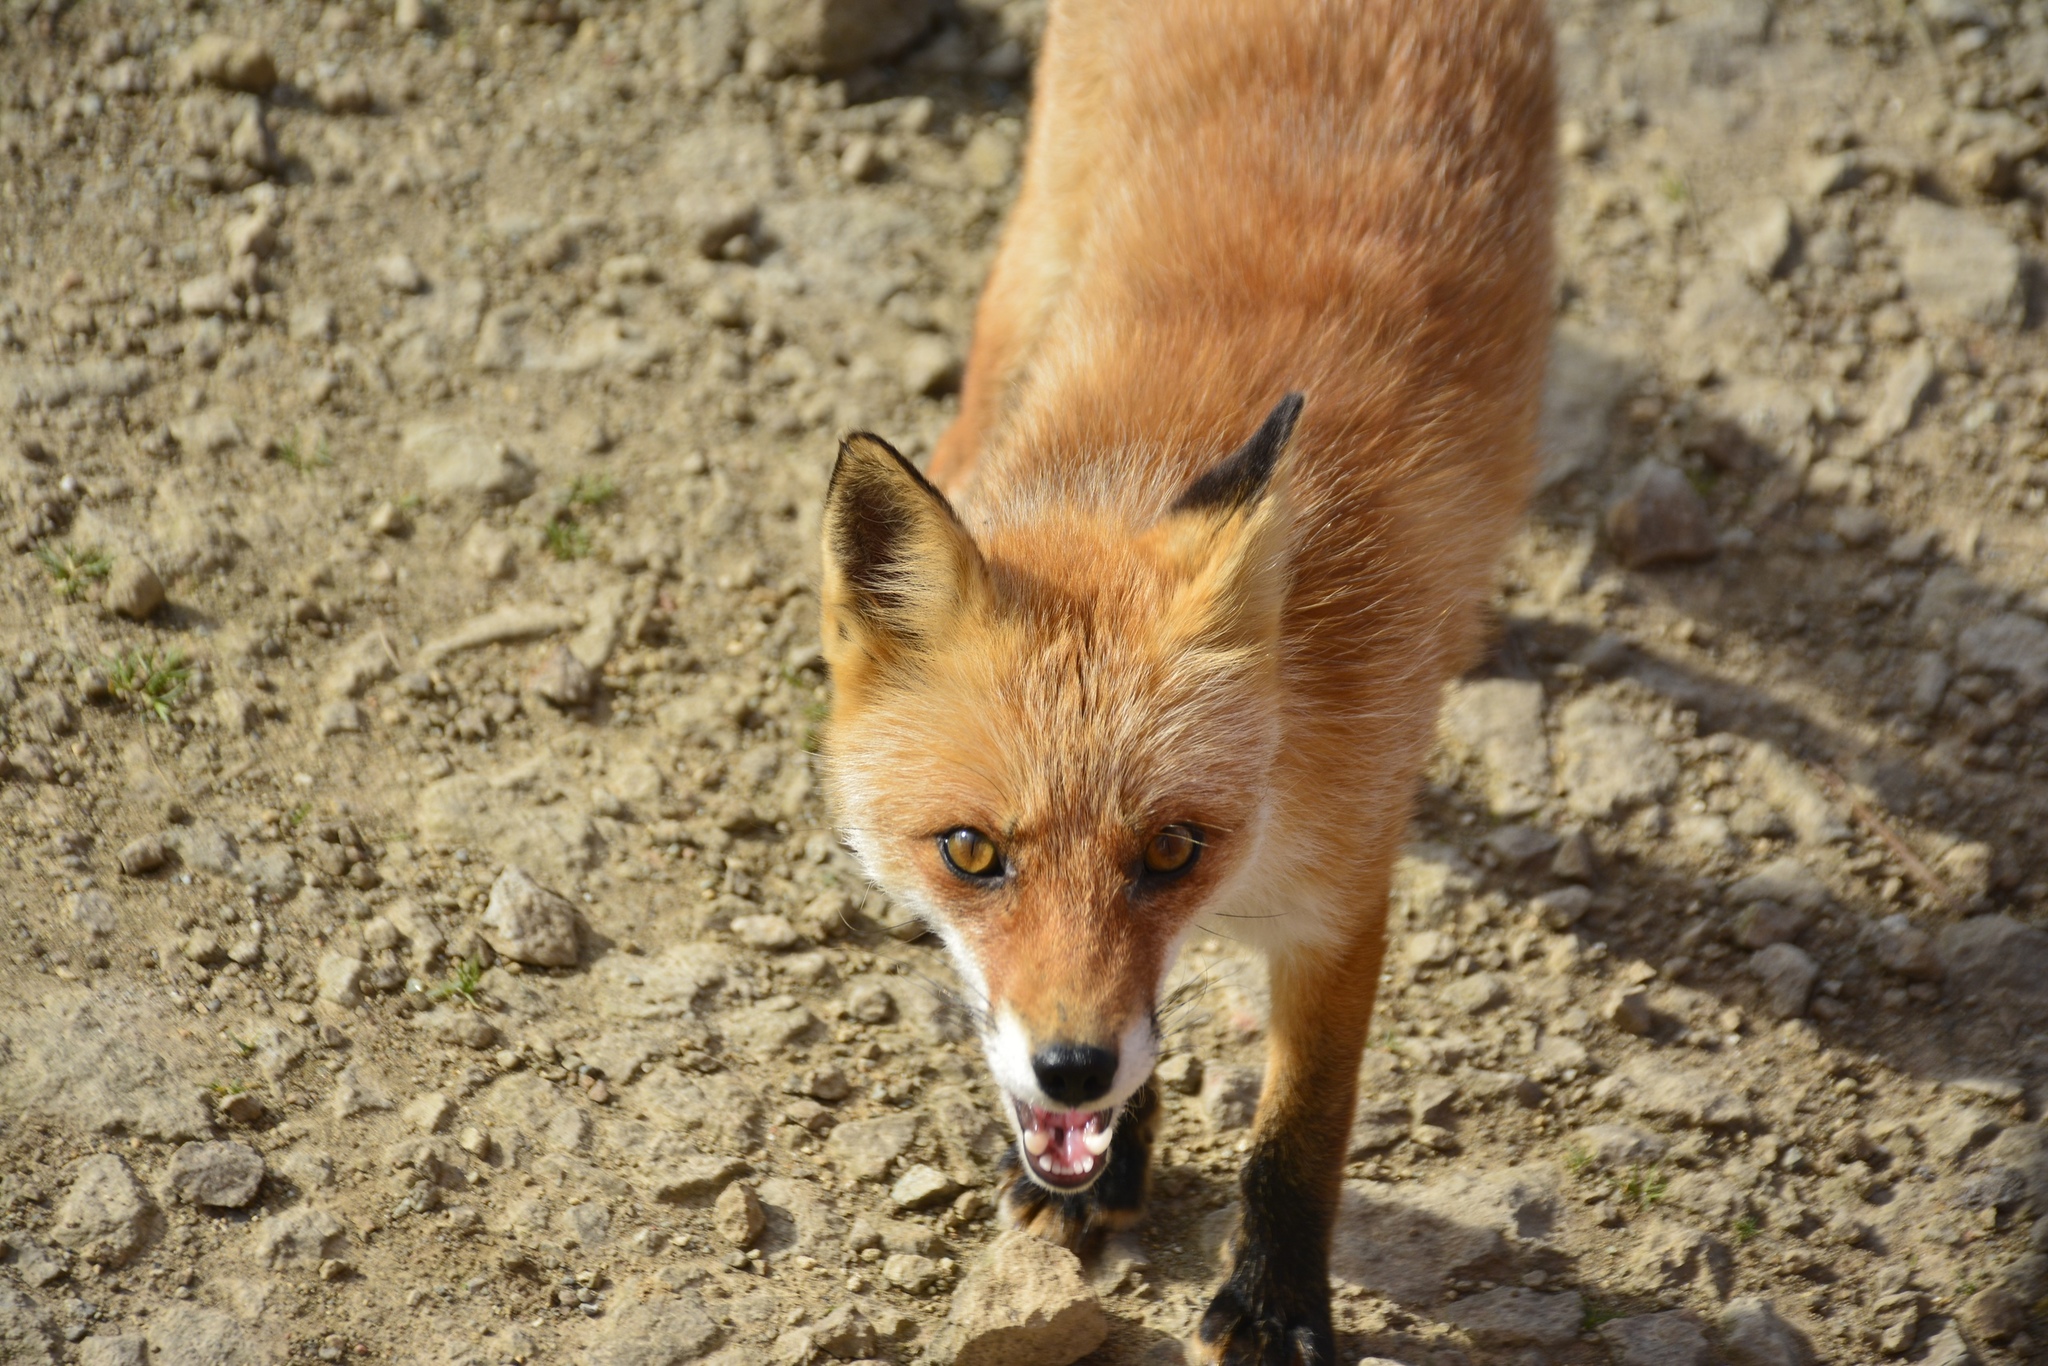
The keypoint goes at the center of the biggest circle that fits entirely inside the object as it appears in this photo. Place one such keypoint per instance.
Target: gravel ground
(423, 940)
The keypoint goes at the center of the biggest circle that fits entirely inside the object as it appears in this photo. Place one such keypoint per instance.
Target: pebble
(1180, 1073)
(1958, 266)
(463, 464)
(1497, 724)
(1907, 385)
(1672, 1338)
(1994, 959)
(221, 1175)
(565, 682)
(530, 924)
(737, 1215)
(1753, 1334)
(233, 64)
(143, 854)
(931, 367)
(210, 295)
(769, 933)
(1609, 761)
(1786, 881)
(696, 1178)
(1656, 1089)
(1788, 974)
(1902, 947)
(399, 273)
(105, 1216)
(1763, 923)
(1230, 1096)
(131, 1349)
(133, 588)
(1765, 240)
(833, 36)
(2010, 643)
(1630, 1012)
(429, 1114)
(1617, 1146)
(1513, 1316)
(911, 1272)
(922, 1187)
(865, 1148)
(1660, 519)
(1024, 1302)
(93, 912)
(344, 93)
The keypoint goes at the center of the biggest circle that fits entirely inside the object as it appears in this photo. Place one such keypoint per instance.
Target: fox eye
(1173, 849)
(970, 853)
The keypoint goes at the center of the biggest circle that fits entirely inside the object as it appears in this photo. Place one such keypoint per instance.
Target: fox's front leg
(1114, 1203)
(1274, 1307)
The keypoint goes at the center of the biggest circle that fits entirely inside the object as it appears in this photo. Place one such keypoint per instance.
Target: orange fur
(1224, 200)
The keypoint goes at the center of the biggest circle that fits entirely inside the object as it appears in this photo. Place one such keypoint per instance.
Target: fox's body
(1121, 641)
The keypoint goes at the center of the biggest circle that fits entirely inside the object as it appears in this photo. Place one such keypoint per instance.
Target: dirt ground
(412, 429)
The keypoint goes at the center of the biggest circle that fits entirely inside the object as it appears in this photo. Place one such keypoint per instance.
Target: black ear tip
(1244, 474)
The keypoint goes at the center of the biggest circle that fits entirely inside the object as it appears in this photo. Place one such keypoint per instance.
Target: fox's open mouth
(1064, 1150)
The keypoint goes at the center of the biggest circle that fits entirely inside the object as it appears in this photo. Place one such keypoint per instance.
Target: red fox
(1249, 414)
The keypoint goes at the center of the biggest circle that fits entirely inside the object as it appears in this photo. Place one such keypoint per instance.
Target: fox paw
(1080, 1221)
(1267, 1325)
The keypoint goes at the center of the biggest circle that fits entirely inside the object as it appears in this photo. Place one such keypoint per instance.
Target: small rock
(106, 1215)
(93, 911)
(832, 36)
(911, 1272)
(222, 1175)
(666, 1331)
(133, 588)
(1752, 1334)
(1629, 1011)
(217, 59)
(563, 681)
(1521, 847)
(429, 1114)
(922, 1187)
(356, 1092)
(1661, 519)
(771, 933)
(461, 463)
(1654, 1089)
(1180, 1073)
(865, 1148)
(1957, 265)
(1763, 923)
(689, 1180)
(399, 272)
(1616, 1146)
(1765, 240)
(1512, 1316)
(2009, 643)
(1902, 947)
(931, 367)
(737, 1216)
(1610, 762)
(1996, 960)
(845, 1333)
(130, 1349)
(1024, 1303)
(1562, 908)
(415, 16)
(210, 295)
(1785, 881)
(708, 222)
(299, 1239)
(143, 854)
(530, 924)
(1788, 973)
(1478, 993)
(1497, 724)
(340, 717)
(1907, 385)
(311, 321)
(339, 977)
(1672, 1338)
(1230, 1097)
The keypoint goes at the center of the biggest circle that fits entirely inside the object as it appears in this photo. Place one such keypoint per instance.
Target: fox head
(1052, 739)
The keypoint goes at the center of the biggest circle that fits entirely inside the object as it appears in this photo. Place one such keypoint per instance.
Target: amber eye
(1173, 849)
(970, 853)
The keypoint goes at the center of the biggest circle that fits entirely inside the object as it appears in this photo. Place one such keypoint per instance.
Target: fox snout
(1073, 1074)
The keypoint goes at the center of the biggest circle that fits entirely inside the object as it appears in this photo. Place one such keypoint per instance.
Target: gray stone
(1521, 847)
(922, 1187)
(1655, 1089)
(845, 1333)
(1230, 1096)
(1752, 1334)
(1906, 386)
(1610, 762)
(398, 272)
(670, 1331)
(1721, 315)
(1763, 923)
(563, 681)
(864, 1148)
(530, 924)
(143, 854)
(975, 1136)
(695, 1179)
(837, 35)
(1787, 973)
(737, 1215)
(133, 588)
(1994, 960)
(231, 63)
(205, 848)
(356, 1092)
(771, 933)
(186, 1335)
(1023, 1303)
(106, 1216)
(26, 1334)
(1672, 1338)
(1496, 724)
(1616, 1146)
(1788, 788)
(1512, 1316)
(225, 1175)
(1764, 240)
(1660, 519)
(1785, 881)
(93, 912)
(464, 464)
(2009, 644)
(299, 1239)
(131, 1349)
(1958, 267)
(911, 1272)
(1587, 380)
(340, 977)
(1477, 993)
(1901, 946)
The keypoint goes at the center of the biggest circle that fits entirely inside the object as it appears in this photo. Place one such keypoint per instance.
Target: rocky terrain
(423, 939)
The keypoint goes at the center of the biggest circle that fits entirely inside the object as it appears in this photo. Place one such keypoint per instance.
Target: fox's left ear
(1231, 528)
(899, 567)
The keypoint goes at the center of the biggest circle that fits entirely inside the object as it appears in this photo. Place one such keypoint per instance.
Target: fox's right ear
(899, 567)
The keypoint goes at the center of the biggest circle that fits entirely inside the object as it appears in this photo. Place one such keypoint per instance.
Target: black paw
(1079, 1222)
(1255, 1322)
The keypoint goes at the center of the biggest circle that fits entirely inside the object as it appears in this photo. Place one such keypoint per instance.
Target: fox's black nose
(1073, 1074)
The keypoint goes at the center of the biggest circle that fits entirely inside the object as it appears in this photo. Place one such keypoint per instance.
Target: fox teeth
(1097, 1141)
(1036, 1141)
